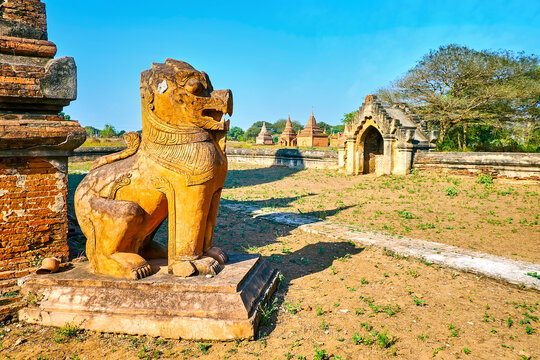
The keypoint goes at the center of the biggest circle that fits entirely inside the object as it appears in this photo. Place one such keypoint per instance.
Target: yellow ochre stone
(175, 168)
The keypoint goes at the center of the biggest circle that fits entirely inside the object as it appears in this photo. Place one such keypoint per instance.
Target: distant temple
(312, 135)
(288, 136)
(264, 137)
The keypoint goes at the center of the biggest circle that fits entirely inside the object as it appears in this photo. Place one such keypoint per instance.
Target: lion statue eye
(194, 86)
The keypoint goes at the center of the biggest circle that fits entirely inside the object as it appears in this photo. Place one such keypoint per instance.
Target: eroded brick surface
(34, 144)
(29, 12)
(33, 214)
(20, 80)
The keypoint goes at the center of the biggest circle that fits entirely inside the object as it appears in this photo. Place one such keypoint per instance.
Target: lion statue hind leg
(113, 241)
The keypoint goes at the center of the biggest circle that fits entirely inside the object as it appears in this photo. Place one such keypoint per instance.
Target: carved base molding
(223, 307)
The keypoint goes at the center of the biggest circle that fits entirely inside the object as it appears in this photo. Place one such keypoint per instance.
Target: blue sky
(277, 57)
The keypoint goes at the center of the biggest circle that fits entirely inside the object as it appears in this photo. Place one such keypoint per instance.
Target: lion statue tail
(132, 139)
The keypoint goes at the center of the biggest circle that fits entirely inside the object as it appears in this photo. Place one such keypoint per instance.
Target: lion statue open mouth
(175, 168)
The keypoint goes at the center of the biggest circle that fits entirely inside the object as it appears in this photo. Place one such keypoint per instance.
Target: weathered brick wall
(33, 215)
(312, 141)
(34, 145)
(29, 12)
(20, 80)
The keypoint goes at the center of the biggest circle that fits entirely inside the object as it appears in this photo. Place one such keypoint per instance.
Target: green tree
(324, 126)
(330, 129)
(108, 131)
(337, 128)
(91, 131)
(66, 116)
(457, 86)
(348, 117)
(279, 125)
(235, 133)
(253, 131)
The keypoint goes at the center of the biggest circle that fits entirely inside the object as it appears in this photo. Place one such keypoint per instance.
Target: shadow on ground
(310, 216)
(257, 176)
(241, 233)
(238, 232)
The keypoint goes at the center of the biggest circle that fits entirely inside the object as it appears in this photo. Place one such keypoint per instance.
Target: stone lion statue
(175, 168)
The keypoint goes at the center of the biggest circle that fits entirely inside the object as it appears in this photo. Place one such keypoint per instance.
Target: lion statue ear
(147, 98)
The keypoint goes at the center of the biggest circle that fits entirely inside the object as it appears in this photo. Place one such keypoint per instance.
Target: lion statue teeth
(176, 168)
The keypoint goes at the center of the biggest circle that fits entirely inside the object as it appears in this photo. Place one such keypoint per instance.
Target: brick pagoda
(312, 135)
(264, 137)
(288, 136)
(35, 141)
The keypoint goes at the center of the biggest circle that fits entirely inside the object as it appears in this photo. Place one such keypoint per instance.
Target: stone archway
(372, 144)
(383, 139)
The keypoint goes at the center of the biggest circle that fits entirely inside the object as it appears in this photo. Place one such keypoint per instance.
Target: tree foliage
(66, 116)
(279, 126)
(457, 87)
(91, 131)
(108, 131)
(255, 129)
(348, 117)
(236, 133)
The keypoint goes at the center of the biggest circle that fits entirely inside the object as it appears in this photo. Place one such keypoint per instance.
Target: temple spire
(288, 136)
(311, 121)
(312, 135)
(264, 137)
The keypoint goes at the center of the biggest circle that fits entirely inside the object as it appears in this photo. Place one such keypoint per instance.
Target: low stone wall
(511, 165)
(92, 153)
(293, 158)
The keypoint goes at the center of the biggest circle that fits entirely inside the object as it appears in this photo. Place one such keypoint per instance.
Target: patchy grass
(496, 216)
(97, 141)
(316, 314)
(340, 301)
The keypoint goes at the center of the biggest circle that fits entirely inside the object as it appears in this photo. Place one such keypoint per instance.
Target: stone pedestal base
(223, 307)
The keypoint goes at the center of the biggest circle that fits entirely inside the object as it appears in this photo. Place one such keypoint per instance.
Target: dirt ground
(501, 218)
(341, 301)
(346, 301)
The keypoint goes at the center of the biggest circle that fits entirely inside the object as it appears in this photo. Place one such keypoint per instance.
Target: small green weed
(451, 191)
(69, 329)
(320, 354)
(9, 294)
(291, 308)
(266, 311)
(509, 322)
(385, 341)
(484, 179)
(203, 347)
(418, 301)
(453, 331)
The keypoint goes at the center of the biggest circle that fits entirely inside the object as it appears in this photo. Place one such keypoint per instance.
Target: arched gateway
(383, 140)
(371, 142)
